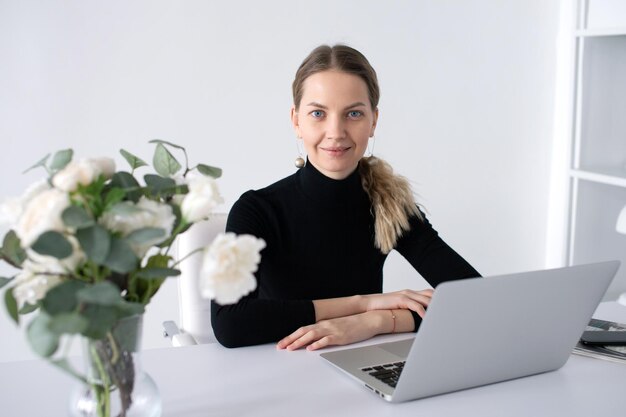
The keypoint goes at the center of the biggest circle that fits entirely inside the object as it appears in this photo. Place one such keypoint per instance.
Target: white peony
(11, 209)
(228, 266)
(31, 286)
(202, 198)
(83, 172)
(148, 214)
(42, 214)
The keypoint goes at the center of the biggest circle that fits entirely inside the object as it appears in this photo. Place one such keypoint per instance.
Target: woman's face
(335, 121)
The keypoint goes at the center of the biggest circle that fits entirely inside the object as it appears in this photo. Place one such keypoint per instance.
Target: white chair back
(195, 311)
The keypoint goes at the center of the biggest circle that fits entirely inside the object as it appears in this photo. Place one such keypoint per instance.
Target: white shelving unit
(598, 166)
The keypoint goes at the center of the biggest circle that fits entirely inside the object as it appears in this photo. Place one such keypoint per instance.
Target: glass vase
(116, 385)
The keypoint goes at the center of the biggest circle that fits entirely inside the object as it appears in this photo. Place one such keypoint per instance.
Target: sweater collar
(328, 190)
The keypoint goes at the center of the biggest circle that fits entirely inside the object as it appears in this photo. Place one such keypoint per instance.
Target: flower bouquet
(92, 247)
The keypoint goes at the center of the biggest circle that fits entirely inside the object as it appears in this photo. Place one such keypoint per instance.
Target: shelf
(587, 33)
(608, 176)
(595, 237)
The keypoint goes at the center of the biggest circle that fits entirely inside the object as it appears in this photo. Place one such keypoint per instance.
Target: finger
(423, 300)
(414, 304)
(322, 343)
(282, 344)
(418, 308)
(308, 338)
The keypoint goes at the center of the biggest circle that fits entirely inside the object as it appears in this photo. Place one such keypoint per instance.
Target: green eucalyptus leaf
(134, 161)
(41, 163)
(114, 196)
(127, 331)
(158, 260)
(128, 183)
(76, 217)
(61, 159)
(12, 250)
(100, 320)
(121, 258)
(96, 242)
(127, 309)
(164, 162)
(164, 187)
(53, 244)
(68, 323)
(103, 293)
(4, 281)
(144, 235)
(62, 298)
(164, 142)
(151, 273)
(43, 340)
(28, 308)
(11, 305)
(125, 208)
(156, 182)
(209, 171)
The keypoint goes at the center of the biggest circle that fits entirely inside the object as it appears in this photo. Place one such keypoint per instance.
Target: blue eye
(355, 114)
(317, 113)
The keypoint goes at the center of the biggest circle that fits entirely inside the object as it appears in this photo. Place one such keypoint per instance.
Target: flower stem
(183, 223)
(115, 353)
(187, 256)
(104, 396)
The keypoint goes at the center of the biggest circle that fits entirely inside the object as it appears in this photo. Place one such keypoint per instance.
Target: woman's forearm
(347, 306)
(331, 308)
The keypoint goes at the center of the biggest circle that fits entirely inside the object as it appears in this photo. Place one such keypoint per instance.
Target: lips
(336, 151)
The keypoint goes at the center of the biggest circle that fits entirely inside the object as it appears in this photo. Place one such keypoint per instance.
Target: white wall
(466, 106)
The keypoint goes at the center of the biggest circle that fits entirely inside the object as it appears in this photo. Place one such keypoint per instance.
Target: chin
(340, 168)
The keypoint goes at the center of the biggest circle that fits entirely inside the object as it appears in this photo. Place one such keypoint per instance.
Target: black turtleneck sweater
(320, 244)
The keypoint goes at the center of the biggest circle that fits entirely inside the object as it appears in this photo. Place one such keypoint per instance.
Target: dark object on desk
(604, 337)
(607, 352)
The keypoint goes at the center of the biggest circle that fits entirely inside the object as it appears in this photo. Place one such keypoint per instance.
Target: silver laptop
(484, 330)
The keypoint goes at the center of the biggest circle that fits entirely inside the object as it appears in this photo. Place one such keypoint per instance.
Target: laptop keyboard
(387, 373)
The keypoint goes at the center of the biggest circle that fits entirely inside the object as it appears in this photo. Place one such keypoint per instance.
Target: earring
(299, 162)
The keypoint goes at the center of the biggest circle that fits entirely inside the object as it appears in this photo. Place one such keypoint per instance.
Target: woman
(330, 226)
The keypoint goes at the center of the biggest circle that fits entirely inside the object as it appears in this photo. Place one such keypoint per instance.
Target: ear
(374, 122)
(295, 121)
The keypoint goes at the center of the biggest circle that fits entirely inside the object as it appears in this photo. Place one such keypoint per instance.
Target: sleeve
(432, 257)
(255, 320)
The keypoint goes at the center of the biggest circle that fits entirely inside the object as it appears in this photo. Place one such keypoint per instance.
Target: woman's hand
(405, 299)
(337, 331)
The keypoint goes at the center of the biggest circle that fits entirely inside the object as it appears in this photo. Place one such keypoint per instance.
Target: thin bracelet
(393, 316)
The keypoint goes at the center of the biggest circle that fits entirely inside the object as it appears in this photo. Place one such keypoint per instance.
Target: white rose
(202, 198)
(12, 208)
(31, 286)
(228, 266)
(42, 214)
(149, 213)
(83, 172)
(10, 211)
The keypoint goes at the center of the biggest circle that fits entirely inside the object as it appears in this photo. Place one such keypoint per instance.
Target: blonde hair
(392, 201)
(340, 58)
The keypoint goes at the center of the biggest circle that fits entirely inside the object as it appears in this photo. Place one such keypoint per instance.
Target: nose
(335, 128)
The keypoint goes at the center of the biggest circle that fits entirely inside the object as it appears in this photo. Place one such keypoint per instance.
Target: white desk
(209, 380)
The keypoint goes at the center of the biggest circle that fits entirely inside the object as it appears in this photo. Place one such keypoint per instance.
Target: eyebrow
(321, 106)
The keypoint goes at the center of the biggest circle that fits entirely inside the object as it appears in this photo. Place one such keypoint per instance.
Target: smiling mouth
(336, 151)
